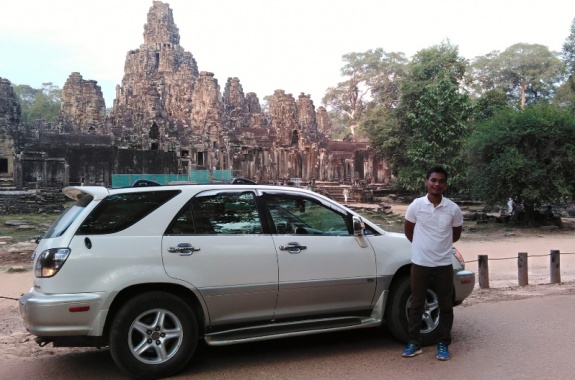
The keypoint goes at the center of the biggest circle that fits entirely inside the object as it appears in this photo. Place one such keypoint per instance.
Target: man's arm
(457, 233)
(408, 228)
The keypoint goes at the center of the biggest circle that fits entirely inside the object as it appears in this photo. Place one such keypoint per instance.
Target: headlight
(50, 261)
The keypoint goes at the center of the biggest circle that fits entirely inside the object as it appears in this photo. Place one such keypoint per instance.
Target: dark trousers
(440, 280)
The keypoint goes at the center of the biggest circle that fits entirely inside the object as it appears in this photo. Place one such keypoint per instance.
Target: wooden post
(555, 266)
(483, 272)
(522, 269)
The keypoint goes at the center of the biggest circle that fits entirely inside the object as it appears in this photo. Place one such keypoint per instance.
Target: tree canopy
(566, 92)
(372, 78)
(526, 153)
(568, 51)
(429, 124)
(526, 72)
(39, 103)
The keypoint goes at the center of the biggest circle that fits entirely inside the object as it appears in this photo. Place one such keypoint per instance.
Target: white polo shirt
(433, 233)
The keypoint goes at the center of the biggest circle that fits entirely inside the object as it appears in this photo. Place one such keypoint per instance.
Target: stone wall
(62, 165)
(32, 202)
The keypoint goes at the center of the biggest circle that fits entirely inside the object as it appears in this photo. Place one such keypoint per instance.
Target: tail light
(459, 257)
(50, 262)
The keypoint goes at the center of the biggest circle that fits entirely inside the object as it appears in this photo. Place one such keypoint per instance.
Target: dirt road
(503, 332)
(519, 339)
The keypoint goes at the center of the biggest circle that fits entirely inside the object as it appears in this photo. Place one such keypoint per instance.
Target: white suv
(150, 270)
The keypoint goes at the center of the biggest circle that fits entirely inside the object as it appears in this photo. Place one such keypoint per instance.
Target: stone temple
(170, 118)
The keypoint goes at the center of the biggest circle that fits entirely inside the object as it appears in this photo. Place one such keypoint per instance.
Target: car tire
(397, 309)
(153, 335)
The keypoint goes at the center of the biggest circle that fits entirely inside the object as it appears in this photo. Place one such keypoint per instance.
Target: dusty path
(358, 356)
(504, 340)
(16, 343)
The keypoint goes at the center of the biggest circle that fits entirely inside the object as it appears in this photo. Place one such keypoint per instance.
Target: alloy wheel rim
(155, 336)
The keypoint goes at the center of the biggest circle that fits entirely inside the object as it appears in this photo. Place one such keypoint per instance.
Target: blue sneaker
(442, 351)
(411, 350)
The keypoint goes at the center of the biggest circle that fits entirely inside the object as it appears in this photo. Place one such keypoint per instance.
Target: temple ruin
(170, 118)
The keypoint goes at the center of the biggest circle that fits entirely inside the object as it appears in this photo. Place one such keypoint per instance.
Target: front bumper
(61, 315)
(464, 282)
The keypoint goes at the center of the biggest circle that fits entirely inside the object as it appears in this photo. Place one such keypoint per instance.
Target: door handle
(184, 249)
(293, 247)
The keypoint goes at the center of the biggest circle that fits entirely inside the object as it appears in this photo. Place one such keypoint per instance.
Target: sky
(293, 45)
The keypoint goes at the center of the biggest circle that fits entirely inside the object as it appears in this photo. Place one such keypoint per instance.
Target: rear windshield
(120, 211)
(68, 216)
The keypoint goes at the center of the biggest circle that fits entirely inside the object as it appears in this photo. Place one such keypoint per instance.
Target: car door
(216, 243)
(323, 268)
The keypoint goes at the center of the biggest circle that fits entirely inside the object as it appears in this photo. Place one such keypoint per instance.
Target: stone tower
(10, 111)
(323, 122)
(307, 117)
(83, 107)
(284, 116)
(158, 82)
(207, 110)
(10, 115)
(235, 106)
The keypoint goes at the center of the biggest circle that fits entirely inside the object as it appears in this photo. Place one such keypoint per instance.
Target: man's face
(436, 184)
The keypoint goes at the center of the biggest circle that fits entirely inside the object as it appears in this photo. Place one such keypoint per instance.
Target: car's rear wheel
(397, 310)
(153, 335)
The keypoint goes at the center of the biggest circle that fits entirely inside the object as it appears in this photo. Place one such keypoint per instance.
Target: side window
(120, 211)
(218, 213)
(301, 216)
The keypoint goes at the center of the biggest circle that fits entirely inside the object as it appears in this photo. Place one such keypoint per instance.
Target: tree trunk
(529, 209)
(523, 87)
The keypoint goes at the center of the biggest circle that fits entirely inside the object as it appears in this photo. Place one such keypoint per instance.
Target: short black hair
(436, 169)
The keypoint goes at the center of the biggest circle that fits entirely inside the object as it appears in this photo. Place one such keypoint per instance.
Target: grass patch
(18, 269)
(38, 223)
(389, 222)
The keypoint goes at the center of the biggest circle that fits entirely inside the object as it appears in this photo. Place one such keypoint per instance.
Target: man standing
(432, 224)
(510, 206)
(345, 194)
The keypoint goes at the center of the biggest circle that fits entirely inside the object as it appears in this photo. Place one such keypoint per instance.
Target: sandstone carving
(10, 114)
(83, 107)
(10, 111)
(170, 118)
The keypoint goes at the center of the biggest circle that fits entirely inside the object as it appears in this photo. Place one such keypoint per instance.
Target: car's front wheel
(153, 335)
(398, 307)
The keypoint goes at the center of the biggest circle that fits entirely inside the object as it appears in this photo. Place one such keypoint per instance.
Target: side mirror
(358, 226)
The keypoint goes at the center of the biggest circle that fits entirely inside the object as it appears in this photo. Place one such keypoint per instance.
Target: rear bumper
(60, 315)
(464, 282)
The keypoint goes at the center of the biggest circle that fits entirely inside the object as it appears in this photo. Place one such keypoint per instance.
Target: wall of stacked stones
(92, 164)
(32, 202)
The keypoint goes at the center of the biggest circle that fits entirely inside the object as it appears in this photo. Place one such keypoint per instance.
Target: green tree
(489, 103)
(430, 123)
(526, 153)
(482, 74)
(372, 77)
(566, 92)
(565, 95)
(526, 72)
(26, 95)
(568, 51)
(43, 103)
